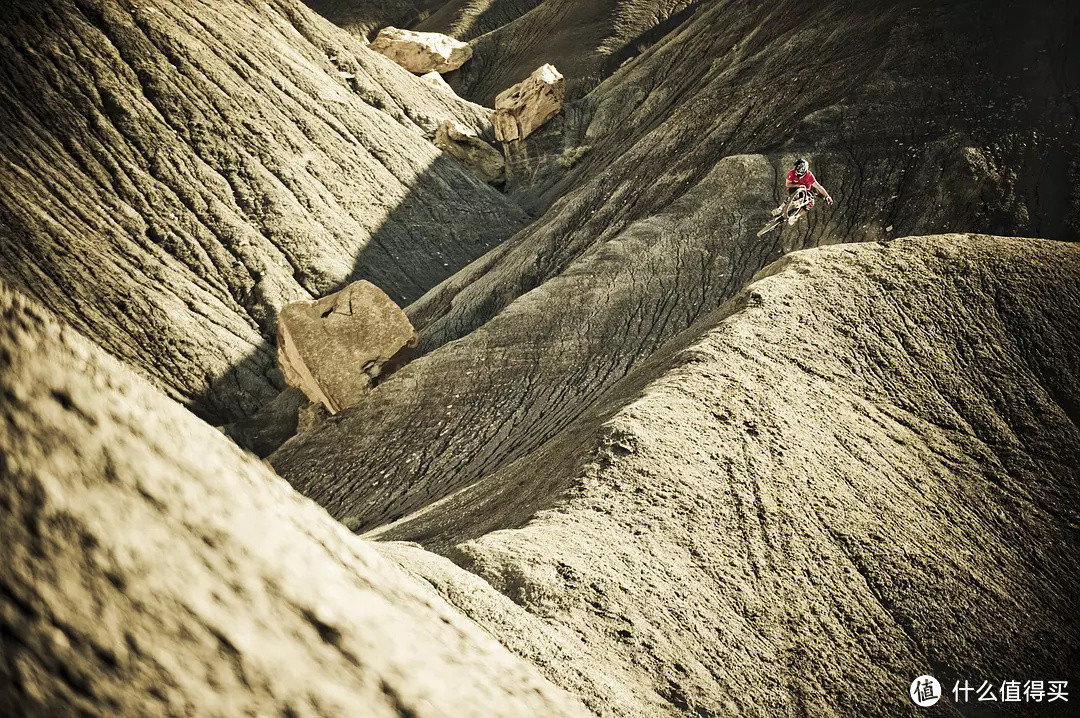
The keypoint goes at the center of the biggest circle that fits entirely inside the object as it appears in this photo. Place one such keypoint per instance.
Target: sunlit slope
(863, 469)
(150, 567)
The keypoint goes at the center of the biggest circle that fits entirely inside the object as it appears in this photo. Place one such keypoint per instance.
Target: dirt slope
(586, 40)
(659, 227)
(667, 492)
(365, 17)
(151, 568)
(174, 171)
(862, 469)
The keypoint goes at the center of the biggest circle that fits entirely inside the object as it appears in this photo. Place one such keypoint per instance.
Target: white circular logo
(925, 691)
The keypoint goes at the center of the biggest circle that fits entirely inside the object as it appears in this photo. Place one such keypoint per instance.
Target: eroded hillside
(850, 477)
(588, 40)
(861, 468)
(175, 171)
(642, 462)
(150, 567)
(658, 225)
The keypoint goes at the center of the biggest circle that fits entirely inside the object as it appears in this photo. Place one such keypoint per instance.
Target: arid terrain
(422, 357)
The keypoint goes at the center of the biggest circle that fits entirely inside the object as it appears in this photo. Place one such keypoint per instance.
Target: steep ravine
(642, 463)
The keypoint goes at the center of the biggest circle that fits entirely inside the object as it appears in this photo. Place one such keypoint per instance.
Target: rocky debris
(587, 40)
(635, 250)
(434, 78)
(335, 348)
(463, 143)
(422, 52)
(149, 567)
(210, 170)
(521, 109)
(846, 474)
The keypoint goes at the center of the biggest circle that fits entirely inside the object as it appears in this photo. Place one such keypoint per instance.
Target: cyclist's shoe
(793, 218)
(776, 212)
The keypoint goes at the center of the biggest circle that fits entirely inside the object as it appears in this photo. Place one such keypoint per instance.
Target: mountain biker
(801, 176)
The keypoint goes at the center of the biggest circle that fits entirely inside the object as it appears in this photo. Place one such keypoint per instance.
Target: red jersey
(807, 180)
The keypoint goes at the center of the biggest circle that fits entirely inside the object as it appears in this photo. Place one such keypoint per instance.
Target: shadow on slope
(170, 178)
(431, 226)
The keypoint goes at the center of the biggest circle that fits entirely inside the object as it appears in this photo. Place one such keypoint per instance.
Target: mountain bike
(799, 200)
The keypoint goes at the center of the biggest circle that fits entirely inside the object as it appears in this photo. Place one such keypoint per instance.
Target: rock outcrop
(587, 41)
(463, 143)
(149, 567)
(335, 348)
(521, 109)
(422, 52)
(200, 166)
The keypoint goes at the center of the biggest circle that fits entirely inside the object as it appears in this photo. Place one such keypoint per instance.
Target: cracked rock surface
(521, 109)
(336, 347)
(421, 52)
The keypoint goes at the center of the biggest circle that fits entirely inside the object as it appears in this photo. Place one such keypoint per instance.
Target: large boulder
(334, 348)
(527, 105)
(463, 143)
(422, 52)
